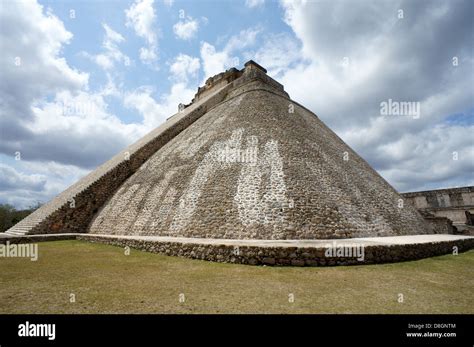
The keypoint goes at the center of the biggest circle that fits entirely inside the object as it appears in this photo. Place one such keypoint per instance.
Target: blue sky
(213, 27)
(88, 86)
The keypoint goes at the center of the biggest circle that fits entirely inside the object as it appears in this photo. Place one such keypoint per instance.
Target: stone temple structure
(242, 167)
(456, 204)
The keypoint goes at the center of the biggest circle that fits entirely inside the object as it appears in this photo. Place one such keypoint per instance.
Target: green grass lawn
(105, 280)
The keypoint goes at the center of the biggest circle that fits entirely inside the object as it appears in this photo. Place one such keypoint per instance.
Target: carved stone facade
(456, 204)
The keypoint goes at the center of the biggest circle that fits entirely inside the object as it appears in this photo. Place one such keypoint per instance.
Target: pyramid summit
(242, 161)
(258, 166)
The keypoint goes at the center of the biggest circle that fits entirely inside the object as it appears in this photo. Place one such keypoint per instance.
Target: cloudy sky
(80, 80)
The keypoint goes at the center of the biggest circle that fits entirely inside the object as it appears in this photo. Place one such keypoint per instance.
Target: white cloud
(110, 88)
(111, 37)
(35, 40)
(214, 61)
(112, 53)
(141, 17)
(278, 53)
(154, 113)
(387, 58)
(77, 129)
(244, 39)
(12, 179)
(183, 67)
(47, 111)
(61, 128)
(437, 147)
(30, 182)
(148, 54)
(186, 29)
(254, 3)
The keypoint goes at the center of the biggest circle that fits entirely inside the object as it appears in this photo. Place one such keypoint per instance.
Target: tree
(9, 215)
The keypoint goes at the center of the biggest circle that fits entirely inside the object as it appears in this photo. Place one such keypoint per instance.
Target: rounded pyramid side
(251, 169)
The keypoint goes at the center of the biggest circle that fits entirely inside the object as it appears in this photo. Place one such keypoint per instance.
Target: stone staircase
(32, 223)
(21, 229)
(27, 225)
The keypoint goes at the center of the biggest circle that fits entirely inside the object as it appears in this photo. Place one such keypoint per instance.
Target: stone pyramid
(242, 161)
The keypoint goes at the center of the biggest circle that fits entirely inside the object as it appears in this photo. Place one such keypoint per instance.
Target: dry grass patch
(105, 280)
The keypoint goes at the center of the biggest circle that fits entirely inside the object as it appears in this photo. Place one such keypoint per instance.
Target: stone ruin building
(241, 162)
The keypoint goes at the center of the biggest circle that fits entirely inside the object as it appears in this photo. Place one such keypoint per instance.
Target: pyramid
(242, 161)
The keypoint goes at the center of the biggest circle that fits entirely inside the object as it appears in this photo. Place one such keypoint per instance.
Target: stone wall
(174, 181)
(73, 210)
(286, 256)
(449, 203)
(37, 238)
(266, 254)
(217, 81)
(300, 187)
(441, 225)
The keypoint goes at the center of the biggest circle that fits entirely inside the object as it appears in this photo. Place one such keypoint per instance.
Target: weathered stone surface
(450, 203)
(268, 261)
(243, 161)
(257, 166)
(73, 209)
(305, 256)
(314, 256)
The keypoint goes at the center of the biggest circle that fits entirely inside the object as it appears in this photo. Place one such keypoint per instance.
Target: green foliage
(9, 215)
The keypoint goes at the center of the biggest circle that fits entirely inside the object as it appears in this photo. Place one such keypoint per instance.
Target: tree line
(9, 215)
